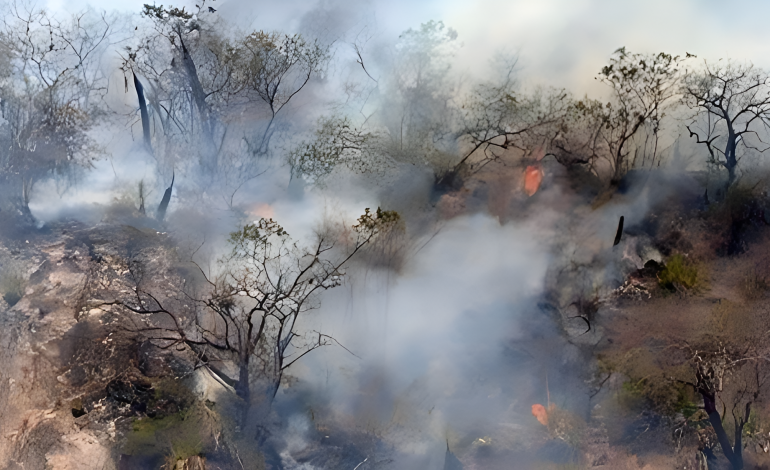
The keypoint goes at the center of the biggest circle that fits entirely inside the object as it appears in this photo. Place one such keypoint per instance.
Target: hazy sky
(561, 42)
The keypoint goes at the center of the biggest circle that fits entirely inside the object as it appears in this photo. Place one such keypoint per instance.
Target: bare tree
(255, 307)
(498, 118)
(415, 107)
(732, 107)
(625, 132)
(270, 283)
(734, 378)
(207, 89)
(50, 89)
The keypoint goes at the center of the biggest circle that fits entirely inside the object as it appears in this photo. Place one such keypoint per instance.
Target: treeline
(210, 102)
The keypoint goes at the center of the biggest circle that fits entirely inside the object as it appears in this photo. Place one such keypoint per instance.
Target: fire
(533, 176)
(539, 412)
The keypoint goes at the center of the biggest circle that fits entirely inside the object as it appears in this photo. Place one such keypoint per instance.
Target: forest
(232, 248)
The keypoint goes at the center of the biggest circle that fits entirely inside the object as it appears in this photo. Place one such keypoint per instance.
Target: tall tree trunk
(730, 175)
(734, 455)
(243, 388)
(15, 215)
(731, 161)
(143, 112)
(199, 96)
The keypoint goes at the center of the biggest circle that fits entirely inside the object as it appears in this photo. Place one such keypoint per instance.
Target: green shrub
(183, 430)
(679, 274)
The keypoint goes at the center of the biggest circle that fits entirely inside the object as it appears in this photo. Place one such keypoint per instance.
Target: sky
(562, 43)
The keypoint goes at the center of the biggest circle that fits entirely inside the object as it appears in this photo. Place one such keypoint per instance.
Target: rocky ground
(76, 373)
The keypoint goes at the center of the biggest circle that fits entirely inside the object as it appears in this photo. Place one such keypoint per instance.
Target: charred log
(166, 199)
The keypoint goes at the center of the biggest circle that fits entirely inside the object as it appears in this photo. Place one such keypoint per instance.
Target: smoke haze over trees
(484, 266)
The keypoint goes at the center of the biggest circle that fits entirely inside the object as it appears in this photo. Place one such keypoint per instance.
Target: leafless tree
(50, 91)
(732, 107)
(269, 284)
(498, 118)
(255, 307)
(206, 89)
(625, 132)
(736, 379)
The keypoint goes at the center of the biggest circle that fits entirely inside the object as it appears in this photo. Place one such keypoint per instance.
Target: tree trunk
(734, 455)
(242, 388)
(731, 161)
(15, 216)
(730, 176)
(143, 112)
(199, 96)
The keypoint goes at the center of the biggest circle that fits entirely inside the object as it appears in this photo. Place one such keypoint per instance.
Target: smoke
(455, 346)
(434, 345)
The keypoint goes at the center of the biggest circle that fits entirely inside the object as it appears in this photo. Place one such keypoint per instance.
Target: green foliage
(258, 232)
(684, 402)
(163, 14)
(268, 275)
(269, 56)
(48, 108)
(631, 395)
(497, 118)
(626, 70)
(679, 274)
(258, 241)
(338, 144)
(753, 425)
(739, 197)
(665, 396)
(187, 430)
(179, 433)
(372, 224)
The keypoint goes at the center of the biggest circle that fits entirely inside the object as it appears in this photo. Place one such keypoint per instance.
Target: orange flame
(533, 176)
(539, 412)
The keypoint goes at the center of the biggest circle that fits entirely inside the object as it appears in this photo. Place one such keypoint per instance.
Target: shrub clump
(679, 274)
